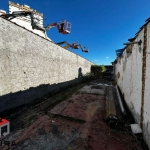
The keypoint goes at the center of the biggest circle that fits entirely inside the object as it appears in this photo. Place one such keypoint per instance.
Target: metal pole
(120, 101)
(137, 42)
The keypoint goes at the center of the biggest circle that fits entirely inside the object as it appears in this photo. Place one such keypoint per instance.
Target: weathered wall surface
(31, 66)
(26, 21)
(132, 80)
(146, 113)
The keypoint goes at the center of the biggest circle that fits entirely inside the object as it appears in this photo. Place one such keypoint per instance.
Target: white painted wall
(2, 12)
(26, 21)
(130, 82)
(146, 122)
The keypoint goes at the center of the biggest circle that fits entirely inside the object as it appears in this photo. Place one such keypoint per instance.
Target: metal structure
(64, 27)
(24, 14)
(73, 45)
(84, 49)
(137, 42)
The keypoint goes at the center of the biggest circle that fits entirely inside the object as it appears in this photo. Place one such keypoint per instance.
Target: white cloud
(95, 60)
(107, 57)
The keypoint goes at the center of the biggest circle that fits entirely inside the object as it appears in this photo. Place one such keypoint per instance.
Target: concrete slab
(74, 124)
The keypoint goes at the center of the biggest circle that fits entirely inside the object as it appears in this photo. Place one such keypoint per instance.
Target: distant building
(2, 12)
(26, 21)
(109, 68)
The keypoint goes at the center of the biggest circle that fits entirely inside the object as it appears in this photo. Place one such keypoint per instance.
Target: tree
(103, 68)
(96, 70)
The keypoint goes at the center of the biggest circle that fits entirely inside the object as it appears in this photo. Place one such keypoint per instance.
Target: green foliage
(88, 76)
(96, 71)
(103, 68)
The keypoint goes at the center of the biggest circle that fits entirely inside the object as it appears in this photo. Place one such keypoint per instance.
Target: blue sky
(101, 25)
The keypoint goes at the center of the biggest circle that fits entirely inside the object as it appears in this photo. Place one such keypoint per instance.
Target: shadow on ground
(75, 122)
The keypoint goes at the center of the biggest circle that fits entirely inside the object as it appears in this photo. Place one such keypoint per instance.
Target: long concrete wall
(132, 74)
(31, 66)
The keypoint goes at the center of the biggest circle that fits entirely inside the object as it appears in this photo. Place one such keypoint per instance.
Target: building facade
(25, 21)
(132, 75)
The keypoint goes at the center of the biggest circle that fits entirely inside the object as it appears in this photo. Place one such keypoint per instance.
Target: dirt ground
(75, 122)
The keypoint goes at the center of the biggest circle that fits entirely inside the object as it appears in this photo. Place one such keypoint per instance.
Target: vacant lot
(73, 122)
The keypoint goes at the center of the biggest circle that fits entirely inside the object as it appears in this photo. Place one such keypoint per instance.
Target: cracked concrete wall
(28, 61)
(130, 81)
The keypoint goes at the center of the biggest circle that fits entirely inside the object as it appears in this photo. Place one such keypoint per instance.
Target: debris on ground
(75, 122)
(135, 129)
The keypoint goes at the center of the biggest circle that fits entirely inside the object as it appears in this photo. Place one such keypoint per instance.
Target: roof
(4, 121)
(25, 8)
(119, 52)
